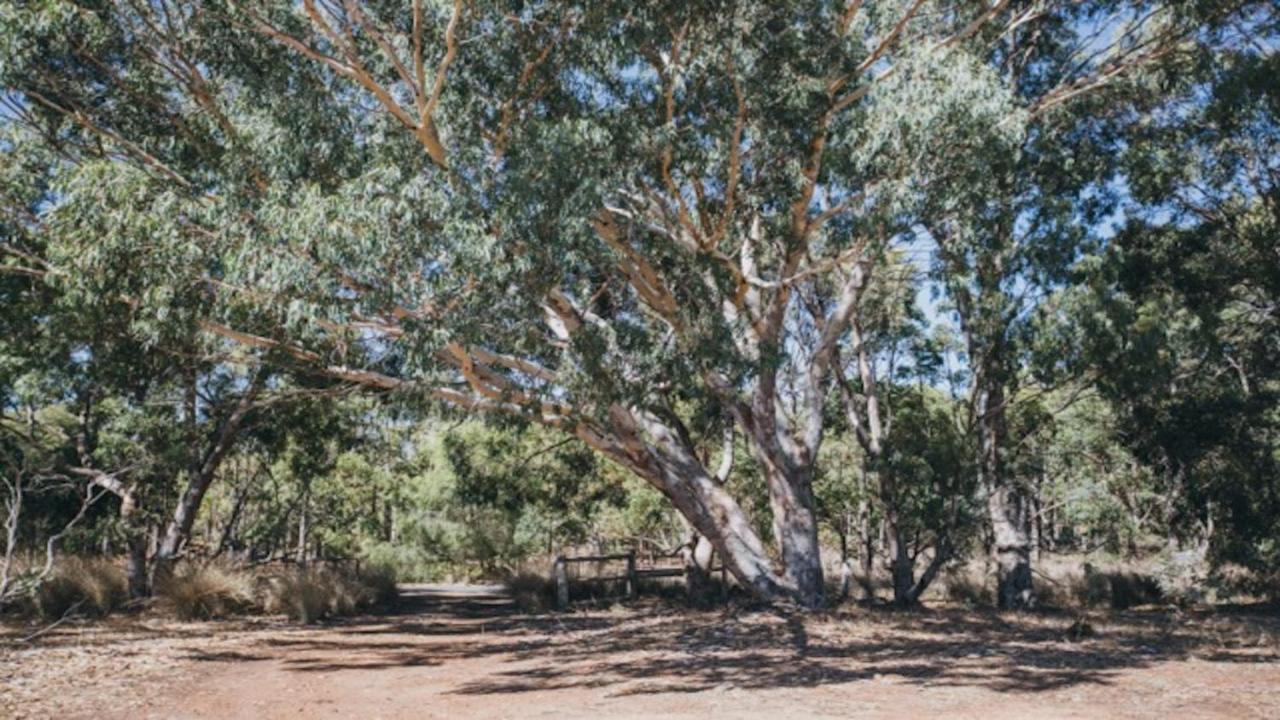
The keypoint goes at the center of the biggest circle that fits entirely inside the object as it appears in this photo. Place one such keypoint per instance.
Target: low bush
(313, 593)
(1084, 590)
(295, 593)
(964, 585)
(1131, 589)
(1237, 583)
(95, 587)
(1118, 588)
(90, 586)
(532, 592)
(379, 582)
(1183, 576)
(207, 590)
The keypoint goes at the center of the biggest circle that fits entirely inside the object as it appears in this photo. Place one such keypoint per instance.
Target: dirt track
(472, 655)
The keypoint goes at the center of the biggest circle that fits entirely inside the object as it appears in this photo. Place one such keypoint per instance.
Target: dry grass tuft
(90, 586)
(207, 590)
(314, 593)
(532, 591)
(968, 586)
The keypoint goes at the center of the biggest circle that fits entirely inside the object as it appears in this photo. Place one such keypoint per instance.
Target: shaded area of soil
(457, 652)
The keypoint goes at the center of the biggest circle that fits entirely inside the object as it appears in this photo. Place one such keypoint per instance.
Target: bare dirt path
(454, 652)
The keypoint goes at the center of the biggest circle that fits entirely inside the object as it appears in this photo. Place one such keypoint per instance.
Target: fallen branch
(48, 628)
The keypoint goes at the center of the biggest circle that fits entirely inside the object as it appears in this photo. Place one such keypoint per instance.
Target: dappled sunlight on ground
(475, 655)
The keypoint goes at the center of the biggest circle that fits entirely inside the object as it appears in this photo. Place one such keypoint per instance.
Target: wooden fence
(637, 568)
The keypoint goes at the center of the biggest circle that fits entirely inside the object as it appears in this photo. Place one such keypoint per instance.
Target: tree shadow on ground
(655, 648)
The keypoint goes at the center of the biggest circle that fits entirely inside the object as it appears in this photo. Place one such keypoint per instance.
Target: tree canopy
(654, 226)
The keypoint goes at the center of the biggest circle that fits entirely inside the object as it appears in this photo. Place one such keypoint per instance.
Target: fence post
(631, 575)
(562, 583)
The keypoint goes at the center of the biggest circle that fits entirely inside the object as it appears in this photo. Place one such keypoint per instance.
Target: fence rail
(632, 576)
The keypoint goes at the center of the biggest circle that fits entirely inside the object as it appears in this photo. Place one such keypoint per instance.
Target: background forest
(870, 300)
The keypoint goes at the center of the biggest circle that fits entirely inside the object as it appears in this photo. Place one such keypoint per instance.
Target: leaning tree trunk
(658, 454)
(178, 530)
(717, 517)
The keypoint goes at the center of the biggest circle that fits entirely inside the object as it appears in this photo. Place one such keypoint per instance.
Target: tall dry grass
(87, 585)
(201, 591)
(313, 593)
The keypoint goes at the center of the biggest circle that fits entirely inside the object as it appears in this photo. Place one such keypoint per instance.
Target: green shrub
(207, 590)
(412, 563)
(1183, 576)
(379, 584)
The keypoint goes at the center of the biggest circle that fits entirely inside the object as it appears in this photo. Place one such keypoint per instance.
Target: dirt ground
(474, 655)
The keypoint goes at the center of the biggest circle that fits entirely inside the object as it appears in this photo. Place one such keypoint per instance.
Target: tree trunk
(201, 476)
(1008, 508)
(866, 551)
(941, 554)
(178, 529)
(697, 555)
(135, 529)
(135, 544)
(904, 579)
(907, 589)
(843, 529)
(901, 564)
(136, 566)
(902, 568)
(662, 457)
(301, 555)
(716, 517)
(795, 528)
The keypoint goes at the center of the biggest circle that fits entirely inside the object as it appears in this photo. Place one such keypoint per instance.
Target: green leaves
(562, 209)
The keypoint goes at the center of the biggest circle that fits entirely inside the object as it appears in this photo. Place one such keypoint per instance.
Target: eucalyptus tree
(137, 403)
(1179, 313)
(148, 425)
(913, 476)
(614, 219)
(1006, 237)
(40, 423)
